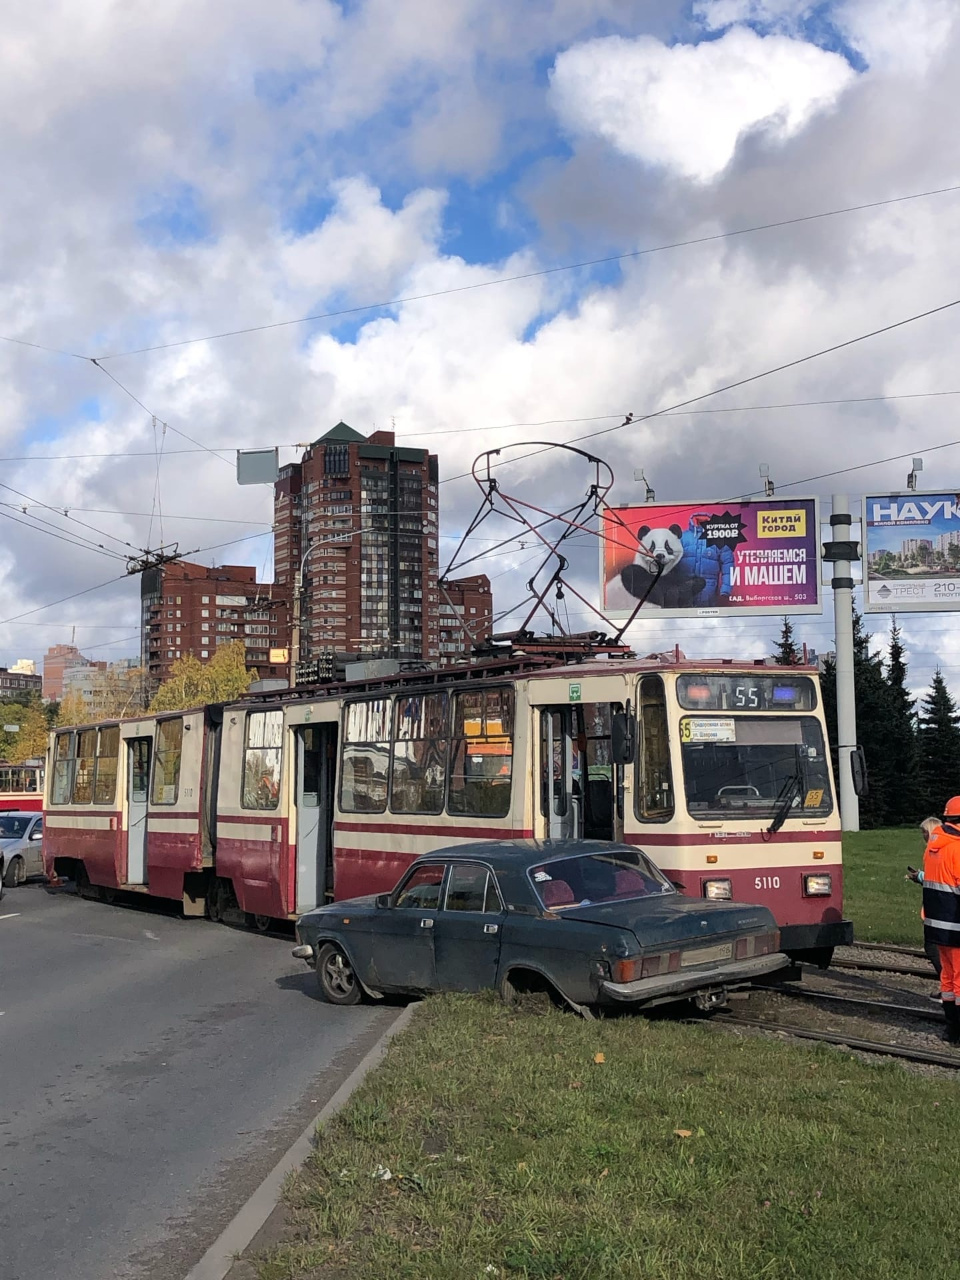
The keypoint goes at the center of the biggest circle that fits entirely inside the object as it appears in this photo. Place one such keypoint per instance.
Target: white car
(21, 847)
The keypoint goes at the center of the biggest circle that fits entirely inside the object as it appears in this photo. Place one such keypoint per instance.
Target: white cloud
(685, 107)
(902, 36)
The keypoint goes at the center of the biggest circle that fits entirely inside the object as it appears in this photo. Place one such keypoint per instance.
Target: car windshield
(598, 877)
(12, 828)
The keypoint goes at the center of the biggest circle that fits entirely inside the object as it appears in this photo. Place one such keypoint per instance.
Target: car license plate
(707, 955)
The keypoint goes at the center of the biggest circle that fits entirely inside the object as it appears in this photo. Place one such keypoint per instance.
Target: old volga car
(595, 923)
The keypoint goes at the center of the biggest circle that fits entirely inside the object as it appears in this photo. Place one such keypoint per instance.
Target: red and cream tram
(719, 770)
(21, 786)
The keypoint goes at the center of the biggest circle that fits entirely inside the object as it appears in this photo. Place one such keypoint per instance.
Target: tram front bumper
(680, 984)
(816, 937)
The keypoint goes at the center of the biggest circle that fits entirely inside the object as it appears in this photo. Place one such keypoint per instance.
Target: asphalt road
(152, 1071)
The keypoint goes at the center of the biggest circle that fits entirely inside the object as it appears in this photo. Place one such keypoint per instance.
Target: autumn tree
(194, 683)
(23, 731)
(73, 709)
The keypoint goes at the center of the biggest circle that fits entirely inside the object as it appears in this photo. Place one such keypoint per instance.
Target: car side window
(471, 888)
(422, 890)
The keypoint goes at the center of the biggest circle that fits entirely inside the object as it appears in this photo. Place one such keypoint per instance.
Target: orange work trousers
(950, 973)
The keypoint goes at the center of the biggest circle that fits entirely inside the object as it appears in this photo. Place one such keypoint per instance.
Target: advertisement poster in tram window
(911, 552)
(713, 558)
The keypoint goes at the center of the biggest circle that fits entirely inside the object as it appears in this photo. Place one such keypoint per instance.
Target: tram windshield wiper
(788, 793)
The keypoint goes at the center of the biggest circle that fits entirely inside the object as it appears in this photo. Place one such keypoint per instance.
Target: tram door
(138, 782)
(581, 789)
(316, 766)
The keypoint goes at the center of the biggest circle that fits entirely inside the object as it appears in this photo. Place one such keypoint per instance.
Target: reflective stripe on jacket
(941, 886)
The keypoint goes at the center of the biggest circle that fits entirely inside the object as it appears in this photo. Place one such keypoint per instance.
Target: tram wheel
(15, 873)
(335, 976)
(260, 923)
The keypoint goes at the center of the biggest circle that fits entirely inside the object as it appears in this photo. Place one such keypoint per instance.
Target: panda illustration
(661, 549)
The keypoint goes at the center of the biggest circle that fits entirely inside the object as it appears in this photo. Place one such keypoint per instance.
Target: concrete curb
(222, 1254)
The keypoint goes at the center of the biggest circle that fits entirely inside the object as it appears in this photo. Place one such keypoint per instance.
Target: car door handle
(491, 928)
(426, 923)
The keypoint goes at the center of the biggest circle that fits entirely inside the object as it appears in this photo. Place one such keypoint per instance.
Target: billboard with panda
(703, 559)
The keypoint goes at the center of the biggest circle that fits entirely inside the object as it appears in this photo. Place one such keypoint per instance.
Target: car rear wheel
(335, 976)
(15, 873)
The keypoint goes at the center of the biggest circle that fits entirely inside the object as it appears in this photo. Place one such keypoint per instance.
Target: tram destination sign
(708, 559)
(911, 552)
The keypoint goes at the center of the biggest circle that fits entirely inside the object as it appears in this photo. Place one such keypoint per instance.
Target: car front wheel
(15, 873)
(335, 976)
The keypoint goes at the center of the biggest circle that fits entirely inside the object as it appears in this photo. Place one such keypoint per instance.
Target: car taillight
(646, 966)
(758, 944)
(718, 890)
(818, 886)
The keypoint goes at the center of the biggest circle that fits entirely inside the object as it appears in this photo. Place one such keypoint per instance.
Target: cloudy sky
(180, 170)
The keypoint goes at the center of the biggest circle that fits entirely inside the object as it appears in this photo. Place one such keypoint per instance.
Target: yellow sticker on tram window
(814, 798)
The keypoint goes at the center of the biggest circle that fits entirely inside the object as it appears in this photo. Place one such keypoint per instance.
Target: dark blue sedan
(592, 922)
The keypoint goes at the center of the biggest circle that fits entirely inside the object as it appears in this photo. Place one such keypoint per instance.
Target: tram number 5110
(766, 882)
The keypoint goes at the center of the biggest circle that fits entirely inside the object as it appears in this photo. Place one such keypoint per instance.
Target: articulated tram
(720, 770)
(21, 786)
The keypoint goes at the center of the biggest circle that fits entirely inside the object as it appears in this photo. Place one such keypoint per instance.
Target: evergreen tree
(939, 746)
(787, 653)
(904, 802)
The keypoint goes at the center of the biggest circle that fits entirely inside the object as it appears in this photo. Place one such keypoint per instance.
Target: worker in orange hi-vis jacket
(941, 910)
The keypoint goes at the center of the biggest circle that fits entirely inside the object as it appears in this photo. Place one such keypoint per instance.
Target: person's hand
(912, 874)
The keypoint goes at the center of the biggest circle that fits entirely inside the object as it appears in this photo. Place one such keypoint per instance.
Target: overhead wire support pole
(842, 583)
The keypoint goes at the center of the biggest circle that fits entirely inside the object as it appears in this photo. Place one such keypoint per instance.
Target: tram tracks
(927, 1057)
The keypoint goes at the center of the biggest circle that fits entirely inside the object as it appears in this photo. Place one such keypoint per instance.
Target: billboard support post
(842, 584)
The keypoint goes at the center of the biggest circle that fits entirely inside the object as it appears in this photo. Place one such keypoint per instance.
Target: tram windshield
(753, 766)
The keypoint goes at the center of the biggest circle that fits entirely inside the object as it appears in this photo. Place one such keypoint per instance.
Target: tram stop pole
(842, 583)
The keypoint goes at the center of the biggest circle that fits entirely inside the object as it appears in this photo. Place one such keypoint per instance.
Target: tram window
(86, 765)
(310, 781)
(420, 743)
(108, 749)
(64, 759)
(482, 753)
(140, 769)
(365, 756)
(166, 762)
(654, 790)
(553, 764)
(262, 759)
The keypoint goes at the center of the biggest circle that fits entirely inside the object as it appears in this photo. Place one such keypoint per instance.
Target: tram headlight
(718, 890)
(820, 886)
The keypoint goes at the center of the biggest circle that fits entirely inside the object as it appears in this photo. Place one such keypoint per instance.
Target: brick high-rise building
(465, 615)
(191, 608)
(360, 514)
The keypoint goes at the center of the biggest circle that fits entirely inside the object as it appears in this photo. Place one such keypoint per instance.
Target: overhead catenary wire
(532, 275)
(85, 545)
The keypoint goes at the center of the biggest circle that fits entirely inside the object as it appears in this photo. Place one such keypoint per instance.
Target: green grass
(514, 1153)
(882, 905)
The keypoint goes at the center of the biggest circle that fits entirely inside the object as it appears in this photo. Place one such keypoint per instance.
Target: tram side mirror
(623, 738)
(381, 900)
(858, 770)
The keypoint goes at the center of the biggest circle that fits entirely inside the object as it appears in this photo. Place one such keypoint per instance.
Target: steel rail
(911, 1010)
(872, 966)
(848, 1042)
(917, 952)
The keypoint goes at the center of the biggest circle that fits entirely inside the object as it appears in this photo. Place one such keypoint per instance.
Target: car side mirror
(623, 738)
(36, 835)
(381, 900)
(858, 770)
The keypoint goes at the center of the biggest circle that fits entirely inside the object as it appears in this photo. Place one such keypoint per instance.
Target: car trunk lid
(658, 922)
